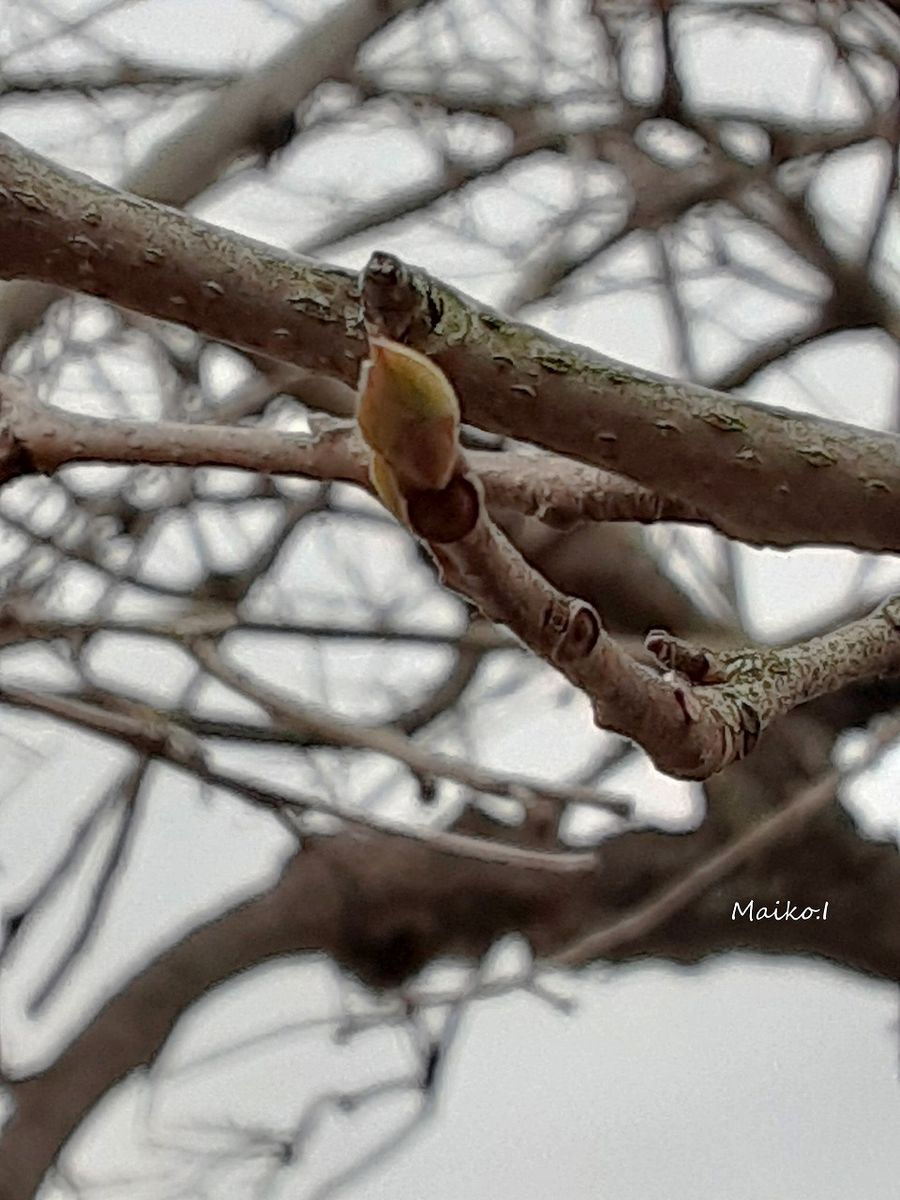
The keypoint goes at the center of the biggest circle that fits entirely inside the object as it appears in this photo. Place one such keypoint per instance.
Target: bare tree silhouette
(217, 582)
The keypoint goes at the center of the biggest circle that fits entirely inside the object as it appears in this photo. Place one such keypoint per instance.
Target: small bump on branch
(394, 305)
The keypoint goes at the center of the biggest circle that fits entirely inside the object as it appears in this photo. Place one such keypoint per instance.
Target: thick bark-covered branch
(762, 475)
(59, 227)
(232, 121)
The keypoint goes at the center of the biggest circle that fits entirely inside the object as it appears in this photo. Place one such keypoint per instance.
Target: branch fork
(695, 714)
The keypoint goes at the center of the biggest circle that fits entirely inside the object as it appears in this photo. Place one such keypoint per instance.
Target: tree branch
(384, 914)
(759, 474)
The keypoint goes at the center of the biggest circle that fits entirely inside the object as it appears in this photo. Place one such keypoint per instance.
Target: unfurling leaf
(409, 416)
(385, 484)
